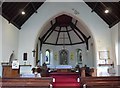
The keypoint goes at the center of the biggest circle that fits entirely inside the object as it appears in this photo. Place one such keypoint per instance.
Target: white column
(118, 61)
(0, 44)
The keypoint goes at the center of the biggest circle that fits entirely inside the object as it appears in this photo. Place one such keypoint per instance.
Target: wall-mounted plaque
(104, 55)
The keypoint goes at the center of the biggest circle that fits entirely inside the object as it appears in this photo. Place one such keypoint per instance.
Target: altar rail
(100, 82)
(43, 82)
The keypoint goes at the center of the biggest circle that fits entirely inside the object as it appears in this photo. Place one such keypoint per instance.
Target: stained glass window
(47, 56)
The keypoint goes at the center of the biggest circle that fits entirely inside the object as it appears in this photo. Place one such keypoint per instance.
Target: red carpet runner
(65, 80)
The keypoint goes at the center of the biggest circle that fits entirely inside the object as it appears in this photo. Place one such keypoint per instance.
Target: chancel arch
(65, 31)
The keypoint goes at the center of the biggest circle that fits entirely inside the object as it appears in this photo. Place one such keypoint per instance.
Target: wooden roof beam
(69, 36)
(94, 7)
(58, 35)
(115, 22)
(44, 38)
(74, 26)
(64, 44)
(85, 38)
(18, 13)
(49, 34)
(76, 33)
(53, 26)
(34, 7)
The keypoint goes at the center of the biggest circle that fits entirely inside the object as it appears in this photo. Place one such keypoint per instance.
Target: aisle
(64, 80)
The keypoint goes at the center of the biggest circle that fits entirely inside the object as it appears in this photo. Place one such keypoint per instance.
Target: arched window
(79, 56)
(47, 56)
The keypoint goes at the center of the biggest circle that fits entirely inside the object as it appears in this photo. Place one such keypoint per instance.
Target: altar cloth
(64, 67)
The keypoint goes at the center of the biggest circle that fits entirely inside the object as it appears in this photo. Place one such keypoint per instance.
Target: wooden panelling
(43, 82)
(101, 82)
(7, 71)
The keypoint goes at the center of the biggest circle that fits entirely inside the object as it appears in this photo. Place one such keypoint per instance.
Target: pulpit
(7, 71)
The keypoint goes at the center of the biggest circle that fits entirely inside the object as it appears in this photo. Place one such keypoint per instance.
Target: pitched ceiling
(12, 11)
(111, 18)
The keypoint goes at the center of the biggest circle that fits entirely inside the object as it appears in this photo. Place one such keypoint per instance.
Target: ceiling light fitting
(106, 11)
(23, 13)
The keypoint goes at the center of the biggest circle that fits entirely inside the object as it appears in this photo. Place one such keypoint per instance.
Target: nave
(59, 34)
(61, 80)
(64, 80)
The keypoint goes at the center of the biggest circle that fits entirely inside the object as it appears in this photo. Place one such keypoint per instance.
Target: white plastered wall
(0, 44)
(118, 49)
(55, 61)
(115, 32)
(8, 41)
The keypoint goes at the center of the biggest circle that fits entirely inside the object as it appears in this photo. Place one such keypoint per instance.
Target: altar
(64, 68)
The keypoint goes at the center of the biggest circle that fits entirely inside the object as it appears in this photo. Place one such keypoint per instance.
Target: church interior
(59, 44)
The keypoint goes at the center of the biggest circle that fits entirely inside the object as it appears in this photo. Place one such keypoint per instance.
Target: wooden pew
(107, 84)
(101, 82)
(93, 72)
(43, 82)
(0, 82)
